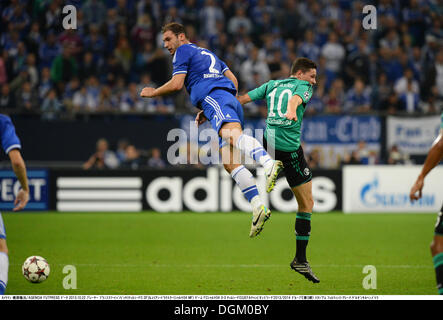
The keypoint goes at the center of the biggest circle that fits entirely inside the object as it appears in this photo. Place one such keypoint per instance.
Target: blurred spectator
(45, 83)
(69, 38)
(94, 12)
(51, 106)
(254, 65)
(130, 98)
(332, 102)
(381, 92)
(409, 99)
(401, 85)
(49, 50)
(3, 71)
(94, 44)
(123, 53)
(126, 12)
(34, 38)
(334, 53)
(396, 157)
(362, 152)
(239, 21)
(358, 98)
(155, 161)
(103, 158)
(143, 32)
(190, 11)
(433, 103)
(122, 144)
(107, 101)
(7, 99)
(210, 14)
(88, 67)
(64, 66)
(351, 159)
(308, 48)
(132, 158)
(27, 98)
(32, 69)
(53, 15)
(357, 63)
(145, 57)
(80, 101)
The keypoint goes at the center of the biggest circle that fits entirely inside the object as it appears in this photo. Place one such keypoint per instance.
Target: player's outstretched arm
(243, 99)
(435, 155)
(200, 118)
(175, 84)
(228, 74)
(19, 167)
(293, 104)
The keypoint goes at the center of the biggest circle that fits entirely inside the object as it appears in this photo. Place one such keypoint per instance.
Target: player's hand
(416, 189)
(147, 92)
(21, 200)
(291, 115)
(200, 118)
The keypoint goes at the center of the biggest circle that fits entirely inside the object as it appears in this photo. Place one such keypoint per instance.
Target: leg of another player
(246, 182)
(232, 133)
(303, 194)
(4, 265)
(437, 253)
(242, 176)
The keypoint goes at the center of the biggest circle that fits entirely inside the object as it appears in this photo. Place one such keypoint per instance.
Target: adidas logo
(228, 115)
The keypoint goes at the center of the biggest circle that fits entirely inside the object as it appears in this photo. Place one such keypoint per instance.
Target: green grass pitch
(211, 254)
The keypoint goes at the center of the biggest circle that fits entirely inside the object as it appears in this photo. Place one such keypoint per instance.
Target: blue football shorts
(219, 107)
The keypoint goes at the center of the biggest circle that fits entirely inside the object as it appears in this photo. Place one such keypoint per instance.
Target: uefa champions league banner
(412, 135)
(368, 189)
(176, 190)
(334, 136)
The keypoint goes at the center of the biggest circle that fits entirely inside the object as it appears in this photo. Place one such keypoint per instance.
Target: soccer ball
(35, 269)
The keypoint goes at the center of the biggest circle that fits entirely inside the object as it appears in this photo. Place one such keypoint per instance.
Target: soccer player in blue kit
(213, 88)
(11, 145)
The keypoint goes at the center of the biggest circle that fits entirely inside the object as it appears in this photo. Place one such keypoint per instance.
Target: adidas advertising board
(210, 190)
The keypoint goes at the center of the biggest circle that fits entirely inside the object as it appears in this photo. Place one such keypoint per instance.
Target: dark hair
(174, 27)
(303, 64)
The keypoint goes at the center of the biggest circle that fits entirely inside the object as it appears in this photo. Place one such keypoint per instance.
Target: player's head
(174, 36)
(304, 69)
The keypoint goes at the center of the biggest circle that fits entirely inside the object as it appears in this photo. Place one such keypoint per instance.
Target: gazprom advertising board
(386, 189)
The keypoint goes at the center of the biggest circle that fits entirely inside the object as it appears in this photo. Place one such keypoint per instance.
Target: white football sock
(246, 182)
(252, 148)
(4, 266)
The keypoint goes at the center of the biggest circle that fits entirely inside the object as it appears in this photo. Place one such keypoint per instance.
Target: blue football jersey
(204, 72)
(8, 137)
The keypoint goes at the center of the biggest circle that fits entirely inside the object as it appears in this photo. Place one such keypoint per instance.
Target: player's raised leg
(246, 182)
(300, 264)
(4, 259)
(437, 252)
(250, 146)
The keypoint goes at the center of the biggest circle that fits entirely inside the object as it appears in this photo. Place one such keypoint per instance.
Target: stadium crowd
(117, 49)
